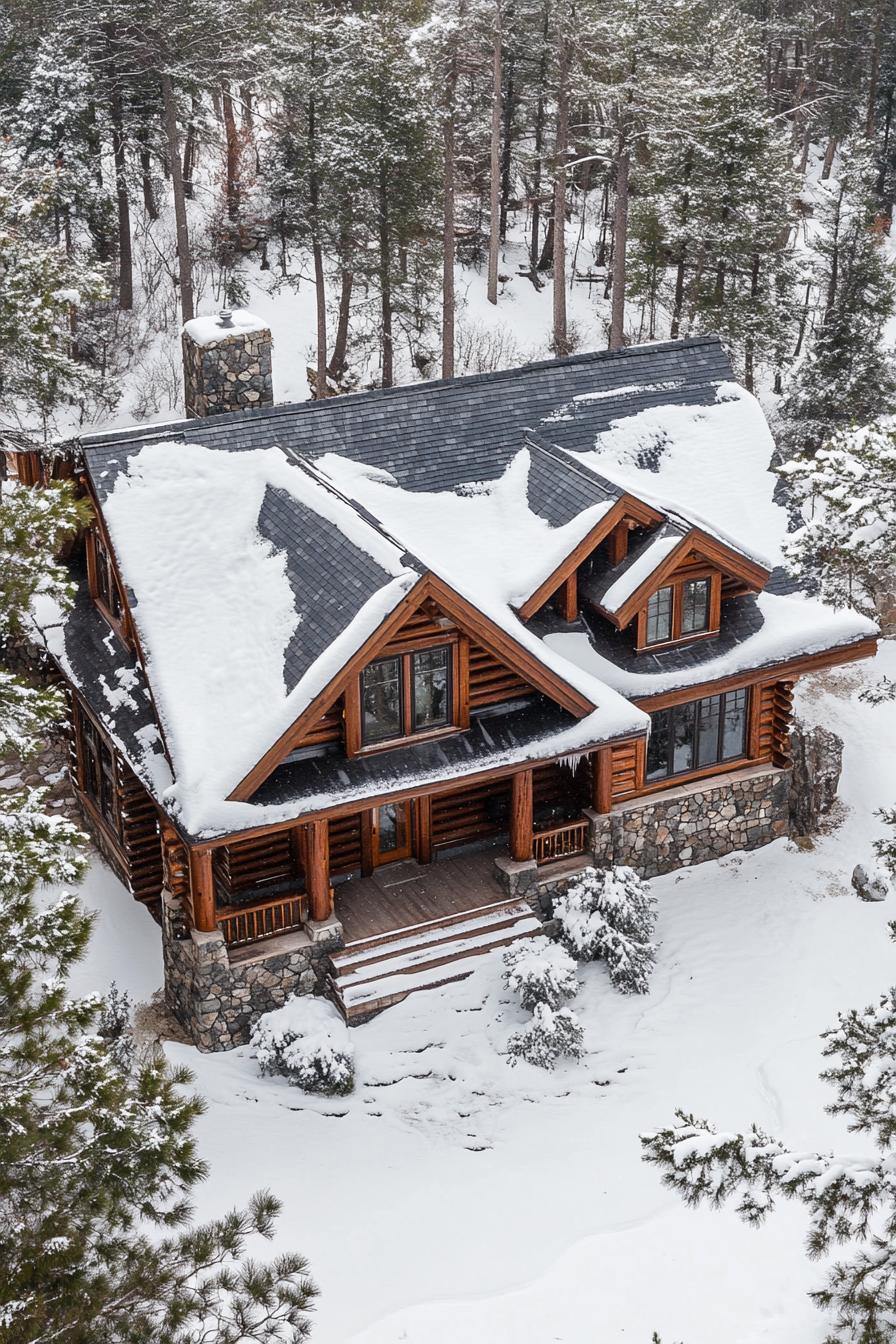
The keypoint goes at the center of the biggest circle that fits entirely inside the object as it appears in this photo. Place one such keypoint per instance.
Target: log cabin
(357, 685)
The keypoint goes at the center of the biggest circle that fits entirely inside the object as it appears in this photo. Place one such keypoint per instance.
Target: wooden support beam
(521, 816)
(617, 543)
(317, 869)
(602, 779)
(202, 890)
(569, 597)
(423, 820)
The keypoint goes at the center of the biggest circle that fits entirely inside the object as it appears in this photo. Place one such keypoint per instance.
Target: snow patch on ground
(451, 1197)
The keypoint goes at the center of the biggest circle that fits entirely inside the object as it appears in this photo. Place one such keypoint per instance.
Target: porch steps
(374, 974)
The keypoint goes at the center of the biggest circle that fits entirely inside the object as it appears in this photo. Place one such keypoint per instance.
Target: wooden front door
(392, 835)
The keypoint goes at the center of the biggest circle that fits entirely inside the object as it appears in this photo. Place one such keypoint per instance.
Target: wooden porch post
(202, 890)
(521, 816)
(602, 767)
(317, 869)
(569, 597)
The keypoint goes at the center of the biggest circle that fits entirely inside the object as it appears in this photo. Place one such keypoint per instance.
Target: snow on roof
(788, 628)
(213, 327)
(645, 562)
(709, 464)
(216, 611)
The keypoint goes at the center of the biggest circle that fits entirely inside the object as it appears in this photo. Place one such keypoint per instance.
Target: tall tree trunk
(448, 301)
(750, 339)
(561, 337)
(829, 153)
(338, 361)
(125, 255)
(189, 165)
(620, 243)
(678, 299)
(233, 155)
(507, 134)
(246, 115)
(494, 228)
(320, 292)
(539, 142)
(150, 205)
(885, 148)
(184, 261)
(385, 279)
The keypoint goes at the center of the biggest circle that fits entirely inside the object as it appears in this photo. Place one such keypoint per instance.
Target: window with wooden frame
(103, 583)
(97, 770)
(408, 694)
(683, 609)
(697, 734)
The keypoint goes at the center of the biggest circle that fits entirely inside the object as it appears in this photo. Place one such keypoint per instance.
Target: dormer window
(406, 694)
(659, 616)
(695, 606)
(687, 608)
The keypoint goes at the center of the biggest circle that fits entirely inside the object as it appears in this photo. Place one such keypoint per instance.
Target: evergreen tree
(847, 378)
(610, 915)
(848, 543)
(850, 1200)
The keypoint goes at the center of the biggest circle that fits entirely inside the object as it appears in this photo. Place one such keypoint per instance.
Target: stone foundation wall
(669, 830)
(217, 1001)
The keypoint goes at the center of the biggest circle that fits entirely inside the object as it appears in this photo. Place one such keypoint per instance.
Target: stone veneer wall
(231, 374)
(217, 1001)
(664, 831)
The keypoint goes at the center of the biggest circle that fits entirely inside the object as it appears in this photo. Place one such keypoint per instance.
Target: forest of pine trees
(709, 165)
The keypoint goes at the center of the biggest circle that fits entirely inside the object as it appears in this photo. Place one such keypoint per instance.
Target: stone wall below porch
(660, 832)
(217, 1000)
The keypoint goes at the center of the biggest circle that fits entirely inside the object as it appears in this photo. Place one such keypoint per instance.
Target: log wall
(472, 813)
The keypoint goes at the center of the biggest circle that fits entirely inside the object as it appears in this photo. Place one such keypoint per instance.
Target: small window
(697, 734)
(99, 772)
(381, 700)
(659, 616)
(695, 606)
(431, 689)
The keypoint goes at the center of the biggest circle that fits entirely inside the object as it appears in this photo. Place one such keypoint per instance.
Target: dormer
(670, 587)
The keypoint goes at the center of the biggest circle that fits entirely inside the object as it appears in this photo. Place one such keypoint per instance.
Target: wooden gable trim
(501, 645)
(627, 506)
(716, 552)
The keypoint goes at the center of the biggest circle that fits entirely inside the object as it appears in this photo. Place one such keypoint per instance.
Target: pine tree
(847, 378)
(850, 1200)
(610, 915)
(848, 543)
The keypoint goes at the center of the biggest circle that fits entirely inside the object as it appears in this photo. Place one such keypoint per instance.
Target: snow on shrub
(307, 1042)
(540, 972)
(610, 914)
(547, 1038)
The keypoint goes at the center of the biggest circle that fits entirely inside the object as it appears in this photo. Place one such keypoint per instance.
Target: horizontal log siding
(473, 813)
(252, 865)
(419, 628)
(492, 681)
(140, 837)
(345, 844)
(773, 715)
(327, 729)
(554, 786)
(628, 768)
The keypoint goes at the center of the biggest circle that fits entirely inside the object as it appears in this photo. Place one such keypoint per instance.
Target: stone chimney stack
(227, 363)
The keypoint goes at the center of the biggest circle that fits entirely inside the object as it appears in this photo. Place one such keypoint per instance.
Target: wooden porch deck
(406, 894)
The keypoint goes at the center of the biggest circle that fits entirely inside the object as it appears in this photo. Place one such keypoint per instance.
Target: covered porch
(399, 865)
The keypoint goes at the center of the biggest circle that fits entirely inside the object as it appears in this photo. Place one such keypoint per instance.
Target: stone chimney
(227, 363)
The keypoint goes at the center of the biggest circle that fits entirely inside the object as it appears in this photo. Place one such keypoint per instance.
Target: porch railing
(562, 842)
(252, 923)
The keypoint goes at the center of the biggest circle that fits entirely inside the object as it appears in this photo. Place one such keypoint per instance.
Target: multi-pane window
(697, 734)
(659, 616)
(106, 585)
(99, 771)
(694, 606)
(409, 693)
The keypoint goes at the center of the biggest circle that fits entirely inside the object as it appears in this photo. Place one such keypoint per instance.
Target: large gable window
(406, 694)
(659, 616)
(694, 606)
(698, 734)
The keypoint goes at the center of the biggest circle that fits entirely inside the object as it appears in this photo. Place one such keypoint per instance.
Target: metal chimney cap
(225, 318)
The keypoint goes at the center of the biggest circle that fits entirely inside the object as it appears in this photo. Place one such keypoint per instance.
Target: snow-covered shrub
(550, 1035)
(307, 1042)
(609, 914)
(540, 971)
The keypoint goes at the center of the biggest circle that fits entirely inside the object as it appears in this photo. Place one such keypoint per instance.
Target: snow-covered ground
(496, 1205)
